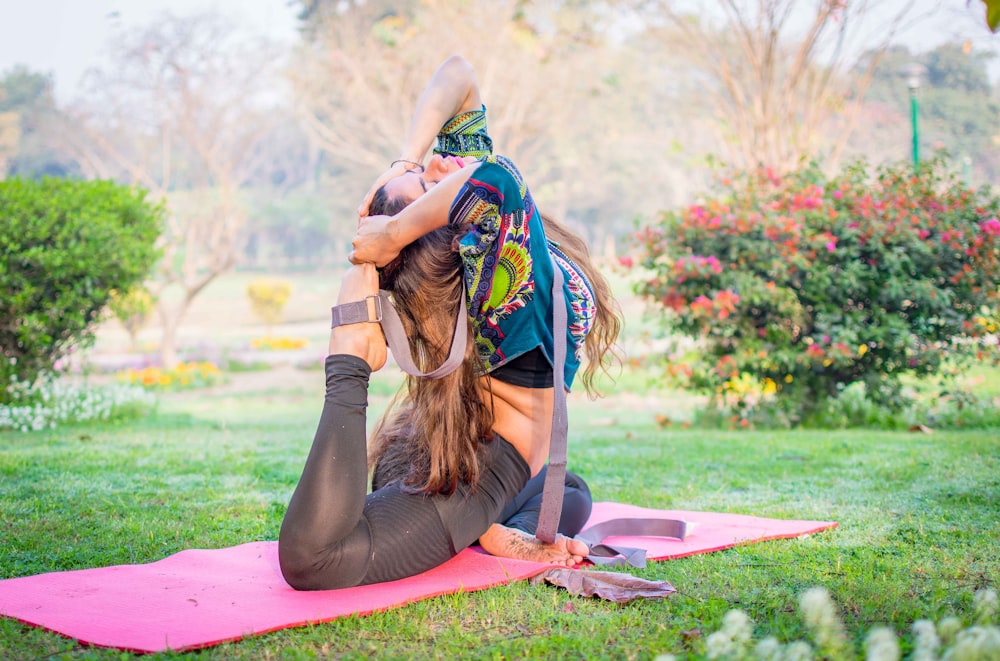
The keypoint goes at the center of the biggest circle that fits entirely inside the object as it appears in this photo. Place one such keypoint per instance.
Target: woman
(459, 456)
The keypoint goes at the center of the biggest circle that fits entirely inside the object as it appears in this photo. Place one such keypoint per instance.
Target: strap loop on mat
(614, 556)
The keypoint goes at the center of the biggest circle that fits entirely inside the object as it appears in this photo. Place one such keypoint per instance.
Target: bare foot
(364, 340)
(507, 542)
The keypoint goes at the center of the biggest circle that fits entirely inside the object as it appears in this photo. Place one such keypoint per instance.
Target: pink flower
(626, 262)
(923, 234)
(831, 246)
(837, 194)
(945, 237)
(701, 303)
(991, 226)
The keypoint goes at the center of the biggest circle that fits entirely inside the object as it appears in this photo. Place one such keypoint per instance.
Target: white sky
(67, 37)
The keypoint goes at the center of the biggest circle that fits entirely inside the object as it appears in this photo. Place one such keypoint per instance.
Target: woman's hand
(396, 169)
(376, 241)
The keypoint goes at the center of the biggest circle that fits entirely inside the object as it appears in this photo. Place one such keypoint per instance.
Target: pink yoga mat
(199, 598)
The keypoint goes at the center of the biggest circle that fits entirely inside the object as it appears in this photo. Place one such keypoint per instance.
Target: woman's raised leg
(324, 514)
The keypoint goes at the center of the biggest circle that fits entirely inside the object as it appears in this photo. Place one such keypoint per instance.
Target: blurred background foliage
(615, 109)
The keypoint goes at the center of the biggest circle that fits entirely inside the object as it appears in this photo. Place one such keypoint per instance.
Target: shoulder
(497, 176)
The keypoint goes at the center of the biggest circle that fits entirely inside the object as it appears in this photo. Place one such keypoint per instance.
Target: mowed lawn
(919, 528)
(918, 513)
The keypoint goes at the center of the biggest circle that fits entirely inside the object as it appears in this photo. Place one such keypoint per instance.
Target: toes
(576, 548)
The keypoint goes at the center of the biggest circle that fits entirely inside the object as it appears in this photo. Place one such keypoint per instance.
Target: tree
(30, 126)
(561, 96)
(957, 107)
(183, 111)
(773, 70)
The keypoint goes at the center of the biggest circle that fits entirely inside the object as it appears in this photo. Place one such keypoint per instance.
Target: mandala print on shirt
(506, 284)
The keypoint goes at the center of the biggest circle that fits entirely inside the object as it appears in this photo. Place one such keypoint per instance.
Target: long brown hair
(431, 435)
(599, 345)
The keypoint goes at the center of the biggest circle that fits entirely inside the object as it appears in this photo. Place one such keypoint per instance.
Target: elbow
(458, 63)
(460, 71)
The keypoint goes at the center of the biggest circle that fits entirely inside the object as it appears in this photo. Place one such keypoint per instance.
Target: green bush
(67, 245)
(799, 286)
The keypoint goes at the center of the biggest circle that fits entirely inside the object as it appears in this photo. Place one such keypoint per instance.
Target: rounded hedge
(67, 245)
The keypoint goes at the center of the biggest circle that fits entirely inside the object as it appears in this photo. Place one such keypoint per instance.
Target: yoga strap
(612, 556)
(555, 478)
(395, 337)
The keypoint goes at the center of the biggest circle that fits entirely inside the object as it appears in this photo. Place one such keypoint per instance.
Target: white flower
(882, 645)
(948, 628)
(769, 649)
(738, 625)
(798, 651)
(719, 645)
(820, 616)
(985, 606)
(926, 641)
(976, 643)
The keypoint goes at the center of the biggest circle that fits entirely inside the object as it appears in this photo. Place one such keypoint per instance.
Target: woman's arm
(451, 91)
(380, 238)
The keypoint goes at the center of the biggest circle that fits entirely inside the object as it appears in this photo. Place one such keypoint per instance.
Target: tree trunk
(171, 322)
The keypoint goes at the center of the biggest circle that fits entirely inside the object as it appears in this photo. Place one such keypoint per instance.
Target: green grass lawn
(919, 527)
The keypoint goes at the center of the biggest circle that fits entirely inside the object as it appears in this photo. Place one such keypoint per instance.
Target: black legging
(522, 512)
(335, 536)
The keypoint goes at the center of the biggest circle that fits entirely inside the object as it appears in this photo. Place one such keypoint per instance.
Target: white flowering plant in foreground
(52, 403)
(948, 640)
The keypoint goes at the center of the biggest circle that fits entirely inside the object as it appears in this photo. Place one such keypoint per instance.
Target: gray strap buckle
(355, 312)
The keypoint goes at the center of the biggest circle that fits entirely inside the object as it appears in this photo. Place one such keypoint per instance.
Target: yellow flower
(788, 378)
(862, 349)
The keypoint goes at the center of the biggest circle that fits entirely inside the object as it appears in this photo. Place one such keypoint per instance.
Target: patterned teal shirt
(507, 259)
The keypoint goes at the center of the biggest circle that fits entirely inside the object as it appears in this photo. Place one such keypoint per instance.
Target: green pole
(916, 129)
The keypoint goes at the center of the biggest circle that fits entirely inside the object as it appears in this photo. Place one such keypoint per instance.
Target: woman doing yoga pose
(460, 458)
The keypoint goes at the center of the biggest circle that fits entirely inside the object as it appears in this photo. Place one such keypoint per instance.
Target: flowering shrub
(268, 299)
(51, 403)
(801, 285)
(269, 343)
(184, 376)
(948, 640)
